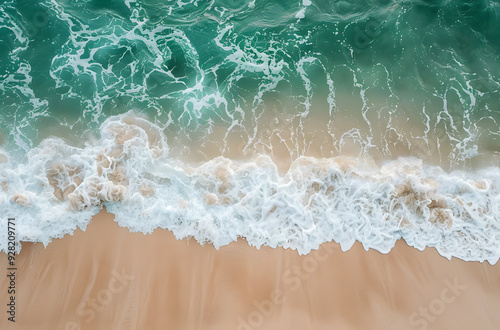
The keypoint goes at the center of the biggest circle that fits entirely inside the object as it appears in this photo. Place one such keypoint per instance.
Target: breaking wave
(128, 169)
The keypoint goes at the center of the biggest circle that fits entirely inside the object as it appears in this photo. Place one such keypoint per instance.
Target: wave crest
(129, 170)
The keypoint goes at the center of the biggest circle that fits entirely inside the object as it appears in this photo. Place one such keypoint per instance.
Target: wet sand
(109, 278)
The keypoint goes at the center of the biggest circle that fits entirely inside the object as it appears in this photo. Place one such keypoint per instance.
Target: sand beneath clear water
(109, 278)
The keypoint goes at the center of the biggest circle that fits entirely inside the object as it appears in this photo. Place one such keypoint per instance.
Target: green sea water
(374, 70)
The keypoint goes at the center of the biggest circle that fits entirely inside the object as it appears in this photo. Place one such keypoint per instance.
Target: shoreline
(318, 199)
(110, 278)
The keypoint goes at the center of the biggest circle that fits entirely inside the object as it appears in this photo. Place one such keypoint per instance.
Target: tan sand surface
(109, 278)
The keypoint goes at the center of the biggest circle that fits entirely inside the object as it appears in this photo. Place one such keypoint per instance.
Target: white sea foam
(60, 187)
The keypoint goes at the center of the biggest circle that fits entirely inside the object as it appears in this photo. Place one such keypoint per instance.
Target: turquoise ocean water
(289, 123)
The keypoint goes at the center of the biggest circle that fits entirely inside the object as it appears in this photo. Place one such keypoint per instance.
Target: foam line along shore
(317, 200)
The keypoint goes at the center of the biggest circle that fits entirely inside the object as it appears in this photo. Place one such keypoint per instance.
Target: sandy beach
(109, 278)
(250, 165)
